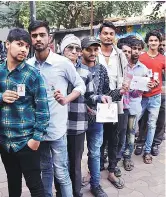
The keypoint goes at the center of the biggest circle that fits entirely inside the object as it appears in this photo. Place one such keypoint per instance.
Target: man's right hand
(9, 96)
(124, 89)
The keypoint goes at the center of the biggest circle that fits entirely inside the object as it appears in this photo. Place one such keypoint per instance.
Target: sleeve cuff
(99, 98)
(38, 136)
(82, 91)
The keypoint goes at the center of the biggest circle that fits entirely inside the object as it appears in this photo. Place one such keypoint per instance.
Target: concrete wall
(138, 30)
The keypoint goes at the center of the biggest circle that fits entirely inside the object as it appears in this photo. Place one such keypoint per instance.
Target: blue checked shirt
(26, 118)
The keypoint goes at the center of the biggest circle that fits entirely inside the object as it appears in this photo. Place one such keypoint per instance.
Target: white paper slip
(107, 112)
(156, 75)
(139, 83)
(21, 89)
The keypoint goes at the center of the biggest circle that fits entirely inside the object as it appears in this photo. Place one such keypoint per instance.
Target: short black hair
(17, 34)
(153, 33)
(121, 42)
(163, 38)
(136, 42)
(120, 45)
(107, 24)
(38, 23)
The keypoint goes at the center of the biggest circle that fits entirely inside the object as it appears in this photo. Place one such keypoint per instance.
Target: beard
(87, 59)
(134, 58)
(106, 43)
(40, 48)
(19, 60)
(161, 51)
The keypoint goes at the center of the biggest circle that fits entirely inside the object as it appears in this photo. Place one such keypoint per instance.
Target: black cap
(88, 41)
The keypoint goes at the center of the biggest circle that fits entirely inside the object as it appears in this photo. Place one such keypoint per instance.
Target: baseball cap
(88, 41)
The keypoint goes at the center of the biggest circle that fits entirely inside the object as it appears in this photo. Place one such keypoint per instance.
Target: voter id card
(21, 89)
(156, 75)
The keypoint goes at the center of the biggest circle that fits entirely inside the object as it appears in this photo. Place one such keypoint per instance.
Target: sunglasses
(72, 47)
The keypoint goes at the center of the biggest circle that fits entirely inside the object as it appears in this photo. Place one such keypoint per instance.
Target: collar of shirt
(113, 53)
(113, 61)
(138, 64)
(78, 64)
(19, 67)
(48, 61)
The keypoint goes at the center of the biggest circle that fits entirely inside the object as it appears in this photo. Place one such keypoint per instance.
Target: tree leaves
(67, 14)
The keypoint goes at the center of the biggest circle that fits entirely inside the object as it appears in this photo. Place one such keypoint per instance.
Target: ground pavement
(146, 180)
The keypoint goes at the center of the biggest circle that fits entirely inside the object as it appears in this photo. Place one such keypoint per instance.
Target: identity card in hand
(139, 83)
(107, 112)
(21, 89)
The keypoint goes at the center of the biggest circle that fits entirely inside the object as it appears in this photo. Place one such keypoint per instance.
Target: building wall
(58, 36)
(137, 30)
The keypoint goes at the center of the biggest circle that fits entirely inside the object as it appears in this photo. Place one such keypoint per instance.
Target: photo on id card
(21, 89)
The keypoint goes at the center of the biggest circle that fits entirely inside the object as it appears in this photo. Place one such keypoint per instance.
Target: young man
(162, 46)
(160, 125)
(24, 116)
(133, 101)
(125, 47)
(152, 100)
(57, 71)
(114, 61)
(77, 118)
(94, 134)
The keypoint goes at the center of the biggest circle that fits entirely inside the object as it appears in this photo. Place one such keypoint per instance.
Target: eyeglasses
(72, 47)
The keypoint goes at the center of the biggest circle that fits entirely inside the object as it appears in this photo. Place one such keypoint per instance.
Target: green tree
(156, 11)
(69, 14)
(9, 14)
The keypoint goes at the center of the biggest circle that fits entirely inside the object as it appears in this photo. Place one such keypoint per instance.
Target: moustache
(38, 43)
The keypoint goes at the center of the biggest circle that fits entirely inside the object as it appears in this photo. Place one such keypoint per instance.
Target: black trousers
(160, 126)
(75, 146)
(123, 123)
(111, 134)
(26, 162)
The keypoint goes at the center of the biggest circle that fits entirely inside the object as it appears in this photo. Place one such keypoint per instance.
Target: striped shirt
(26, 118)
(77, 115)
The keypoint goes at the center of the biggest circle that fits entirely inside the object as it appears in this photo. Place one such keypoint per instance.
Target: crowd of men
(48, 105)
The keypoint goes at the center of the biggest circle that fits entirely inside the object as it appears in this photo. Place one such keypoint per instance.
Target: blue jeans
(130, 137)
(94, 137)
(152, 105)
(54, 161)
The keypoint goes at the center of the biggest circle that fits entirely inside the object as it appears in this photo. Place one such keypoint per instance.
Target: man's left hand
(33, 144)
